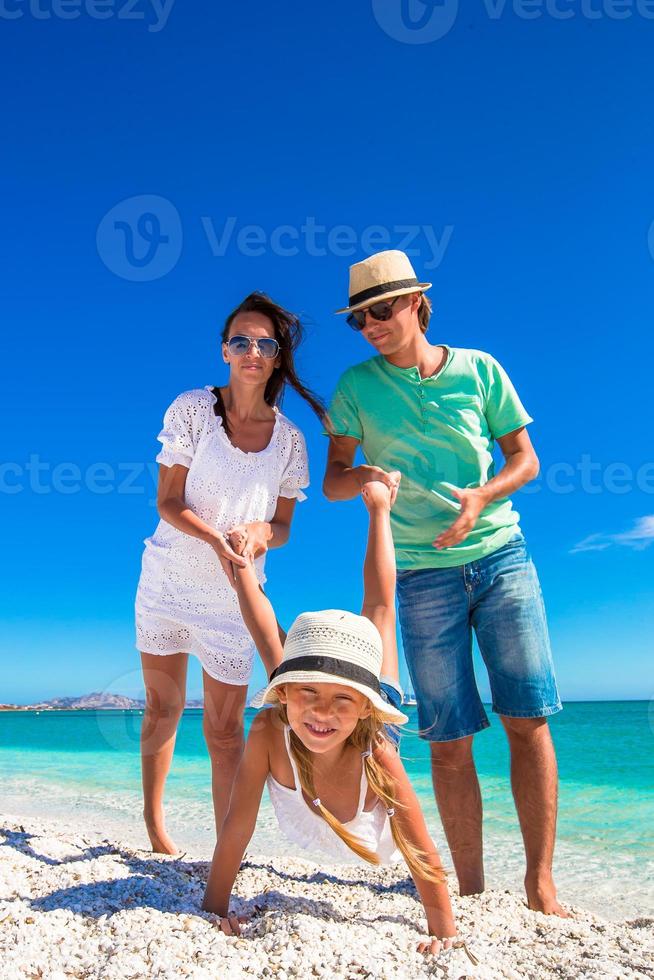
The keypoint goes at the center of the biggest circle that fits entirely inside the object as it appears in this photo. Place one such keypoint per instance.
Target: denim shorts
(499, 597)
(392, 694)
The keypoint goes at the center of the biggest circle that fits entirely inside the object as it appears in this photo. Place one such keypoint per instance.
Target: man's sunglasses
(240, 345)
(378, 311)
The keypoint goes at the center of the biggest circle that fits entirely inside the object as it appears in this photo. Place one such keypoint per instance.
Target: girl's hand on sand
(434, 946)
(226, 555)
(231, 924)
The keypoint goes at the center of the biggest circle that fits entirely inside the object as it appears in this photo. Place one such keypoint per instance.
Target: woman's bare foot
(161, 842)
(541, 896)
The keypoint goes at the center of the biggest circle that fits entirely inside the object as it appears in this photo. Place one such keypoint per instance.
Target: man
(434, 413)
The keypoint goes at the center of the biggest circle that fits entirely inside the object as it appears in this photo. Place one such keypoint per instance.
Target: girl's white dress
(184, 602)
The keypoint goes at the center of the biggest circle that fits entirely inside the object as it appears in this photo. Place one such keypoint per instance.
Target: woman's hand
(227, 555)
(250, 540)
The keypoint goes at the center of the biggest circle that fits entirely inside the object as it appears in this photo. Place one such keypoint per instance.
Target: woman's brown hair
(289, 334)
(367, 734)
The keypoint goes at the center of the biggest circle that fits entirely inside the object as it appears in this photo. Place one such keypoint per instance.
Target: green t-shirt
(439, 432)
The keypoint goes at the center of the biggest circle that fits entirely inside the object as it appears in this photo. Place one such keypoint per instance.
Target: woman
(230, 461)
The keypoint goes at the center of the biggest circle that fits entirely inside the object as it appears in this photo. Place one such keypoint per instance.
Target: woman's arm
(408, 814)
(174, 510)
(379, 571)
(257, 611)
(242, 816)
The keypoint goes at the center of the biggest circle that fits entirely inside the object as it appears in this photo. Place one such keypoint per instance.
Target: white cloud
(640, 536)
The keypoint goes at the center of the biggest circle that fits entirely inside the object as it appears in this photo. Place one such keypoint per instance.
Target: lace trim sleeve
(296, 473)
(181, 428)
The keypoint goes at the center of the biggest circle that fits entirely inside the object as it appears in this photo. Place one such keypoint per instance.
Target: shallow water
(84, 768)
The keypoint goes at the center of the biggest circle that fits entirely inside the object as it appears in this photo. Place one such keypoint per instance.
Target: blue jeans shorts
(499, 597)
(391, 692)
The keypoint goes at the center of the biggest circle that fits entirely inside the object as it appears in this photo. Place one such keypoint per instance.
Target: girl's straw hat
(333, 647)
(382, 275)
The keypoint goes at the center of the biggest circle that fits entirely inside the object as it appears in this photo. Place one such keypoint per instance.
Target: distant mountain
(96, 701)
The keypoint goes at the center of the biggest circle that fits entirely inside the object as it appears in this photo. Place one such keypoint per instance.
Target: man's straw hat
(380, 276)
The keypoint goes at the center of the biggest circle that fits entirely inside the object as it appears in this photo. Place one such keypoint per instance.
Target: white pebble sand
(79, 905)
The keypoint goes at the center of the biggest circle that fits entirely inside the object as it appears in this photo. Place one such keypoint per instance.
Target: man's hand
(472, 503)
(250, 540)
(371, 474)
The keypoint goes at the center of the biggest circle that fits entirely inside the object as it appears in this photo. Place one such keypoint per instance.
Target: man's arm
(521, 465)
(343, 481)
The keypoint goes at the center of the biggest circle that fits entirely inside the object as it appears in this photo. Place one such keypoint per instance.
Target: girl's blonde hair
(367, 732)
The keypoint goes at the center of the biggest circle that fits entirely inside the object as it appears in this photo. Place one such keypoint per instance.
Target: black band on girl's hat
(329, 665)
(383, 287)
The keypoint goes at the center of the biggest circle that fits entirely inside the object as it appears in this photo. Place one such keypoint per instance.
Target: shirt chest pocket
(460, 411)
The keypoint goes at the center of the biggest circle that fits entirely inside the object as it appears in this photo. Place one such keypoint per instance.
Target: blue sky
(511, 153)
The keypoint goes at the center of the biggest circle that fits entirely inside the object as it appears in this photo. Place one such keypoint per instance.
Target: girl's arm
(257, 611)
(409, 816)
(242, 817)
(379, 572)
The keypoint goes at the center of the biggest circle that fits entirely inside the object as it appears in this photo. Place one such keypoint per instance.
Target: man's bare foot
(541, 896)
(161, 842)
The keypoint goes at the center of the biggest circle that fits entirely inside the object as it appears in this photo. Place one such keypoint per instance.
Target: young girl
(335, 778)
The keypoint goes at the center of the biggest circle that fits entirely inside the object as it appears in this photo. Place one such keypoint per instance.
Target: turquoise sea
(83, 769)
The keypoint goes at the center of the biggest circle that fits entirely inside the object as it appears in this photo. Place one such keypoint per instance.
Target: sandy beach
(80, 905)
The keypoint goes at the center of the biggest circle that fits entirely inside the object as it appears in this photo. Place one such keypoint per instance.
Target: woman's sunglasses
(378, 311)
(240, 345)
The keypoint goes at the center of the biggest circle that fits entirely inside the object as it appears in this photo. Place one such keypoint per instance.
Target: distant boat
(409, 698)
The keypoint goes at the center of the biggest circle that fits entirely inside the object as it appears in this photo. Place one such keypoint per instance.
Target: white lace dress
(184, 602)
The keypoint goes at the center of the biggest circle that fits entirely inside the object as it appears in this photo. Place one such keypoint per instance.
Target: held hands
(378, 488)
(227, 555)
(250, 540)
(473, 502)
